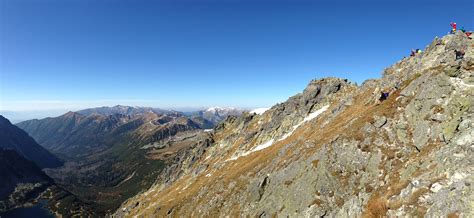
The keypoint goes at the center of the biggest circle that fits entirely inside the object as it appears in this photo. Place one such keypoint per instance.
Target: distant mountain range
(92, 130)
(20, 116)
(14, 138)
(215, 114)
(124, 110)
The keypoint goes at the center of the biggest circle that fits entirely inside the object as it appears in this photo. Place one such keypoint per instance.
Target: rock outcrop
(335, 150)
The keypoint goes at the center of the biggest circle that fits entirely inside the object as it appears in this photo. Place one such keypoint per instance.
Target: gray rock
(438, 117)
(453, 71)
(379, 121)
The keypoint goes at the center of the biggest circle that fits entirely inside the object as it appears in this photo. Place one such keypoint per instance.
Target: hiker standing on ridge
(468, 35)
(414, 52)
(453, 25)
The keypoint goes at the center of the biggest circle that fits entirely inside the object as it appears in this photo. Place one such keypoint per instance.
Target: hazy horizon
(16, 116)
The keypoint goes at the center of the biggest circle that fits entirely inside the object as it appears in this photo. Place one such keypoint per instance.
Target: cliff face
(335, 150)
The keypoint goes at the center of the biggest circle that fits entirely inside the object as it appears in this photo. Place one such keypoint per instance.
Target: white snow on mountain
(270, 142)
(259, 111)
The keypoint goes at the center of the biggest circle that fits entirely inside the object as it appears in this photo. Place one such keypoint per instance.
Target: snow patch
(307, 118)
(270, 142)
(263, 146)
(216, 108)
(316, 113)
(212, 109)
(259, 111)
(208, 130)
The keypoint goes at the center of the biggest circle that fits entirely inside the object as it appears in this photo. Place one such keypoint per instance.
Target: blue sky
(71, 54)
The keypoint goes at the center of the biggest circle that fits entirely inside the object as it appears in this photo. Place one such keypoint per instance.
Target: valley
(113, 153)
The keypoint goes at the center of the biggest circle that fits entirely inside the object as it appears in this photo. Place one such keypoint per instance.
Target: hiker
(413, 52)
(459, 54)
(468, 34)
(453, 25)
(383, 96)
(418, 51)
(462, 29)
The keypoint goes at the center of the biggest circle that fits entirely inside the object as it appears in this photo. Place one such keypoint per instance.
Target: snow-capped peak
(216, 108)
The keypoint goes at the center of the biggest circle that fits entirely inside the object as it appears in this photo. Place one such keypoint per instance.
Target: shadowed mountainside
(14, 138)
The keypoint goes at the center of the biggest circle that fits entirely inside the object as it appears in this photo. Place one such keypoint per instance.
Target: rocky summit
(337, 150)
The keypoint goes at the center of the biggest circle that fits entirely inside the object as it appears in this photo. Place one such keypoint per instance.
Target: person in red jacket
(453, 25)
(468, 34)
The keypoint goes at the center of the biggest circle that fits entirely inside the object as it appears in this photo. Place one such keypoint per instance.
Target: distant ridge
(125, 110)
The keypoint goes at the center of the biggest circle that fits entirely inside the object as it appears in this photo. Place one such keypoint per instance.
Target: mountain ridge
(341, 150)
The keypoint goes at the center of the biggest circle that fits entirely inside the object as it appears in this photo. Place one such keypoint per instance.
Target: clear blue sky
(81, 53)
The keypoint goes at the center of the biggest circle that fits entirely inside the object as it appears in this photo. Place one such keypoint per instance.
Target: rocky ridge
(335, 150)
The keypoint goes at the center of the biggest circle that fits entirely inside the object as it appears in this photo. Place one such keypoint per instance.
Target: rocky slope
(13, 138)
(335, 150)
